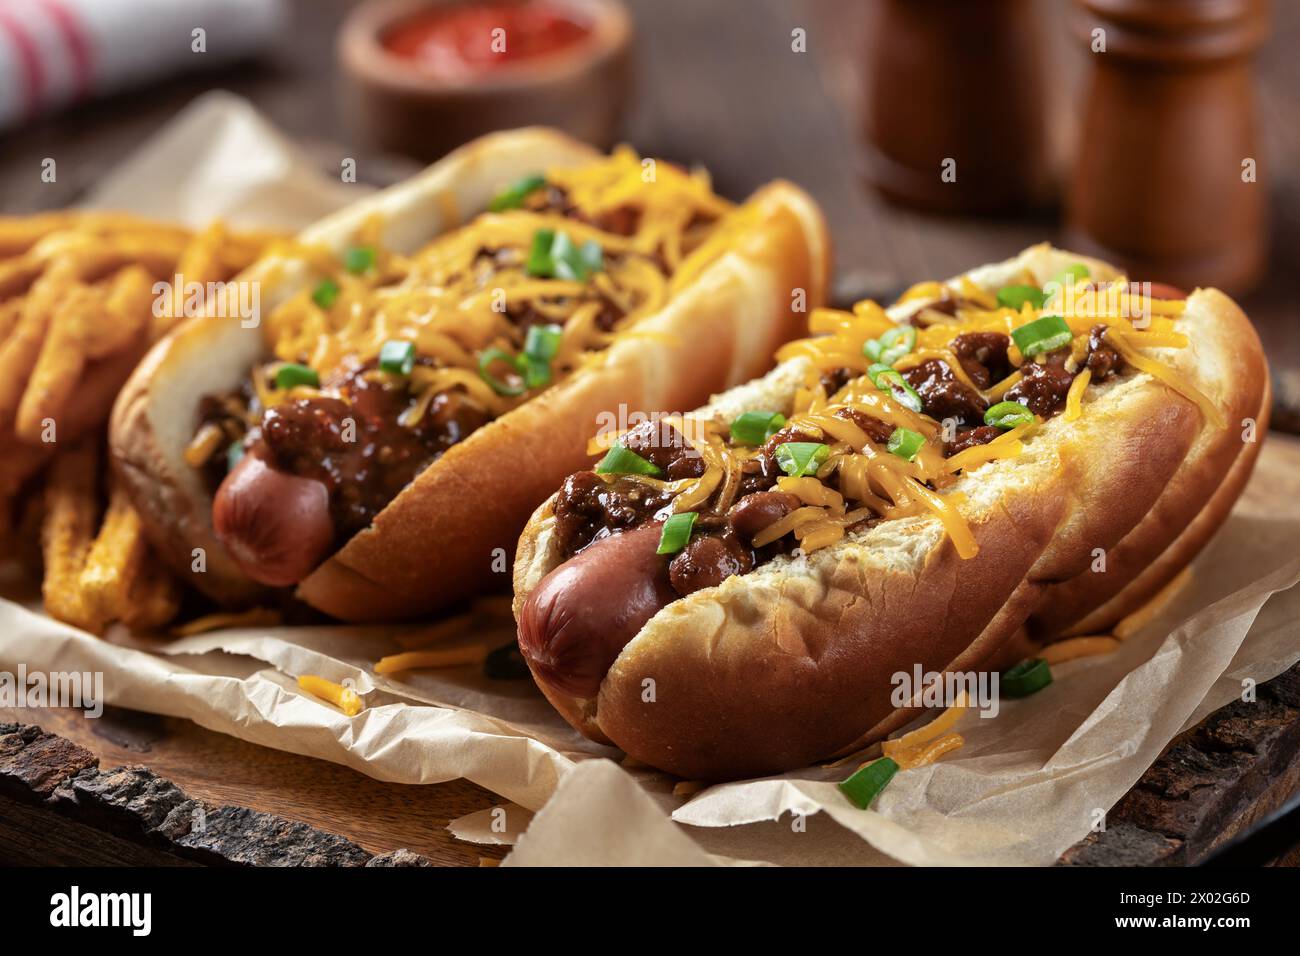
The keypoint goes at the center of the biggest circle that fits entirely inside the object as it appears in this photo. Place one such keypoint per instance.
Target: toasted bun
(794, 662)
(451, 532)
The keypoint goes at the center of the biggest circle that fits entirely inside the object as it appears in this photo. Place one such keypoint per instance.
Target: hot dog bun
(793, 662)
(438, 540)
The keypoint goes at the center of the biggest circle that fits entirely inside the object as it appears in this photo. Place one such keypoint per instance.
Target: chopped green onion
(234, 454)
(1006, 415)
(799, 458)
(905, 443)
(676, 533)
(1015, 296)
(1067, 276)
(326, 293)
(553, 255)
(513, 196)
(397, 356)
(896, 343)
(539, 254)
(359, 259)
(543, 341)
(874, 370)
(489, 357)
(893, 382)
(1042, 335)
(540, 346)
(1072, 273)
(623, 461)
(1027, 677)
(865, 785)
(575, 263)
(754, 428)
(291, 375)
(871, 348)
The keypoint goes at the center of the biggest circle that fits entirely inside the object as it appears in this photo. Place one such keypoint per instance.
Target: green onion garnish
(486, 359)
(896, 343)
(893, 382)
(397, 356)
(290, 375)
(865, 785)
(326, 293)
(1042, 335)
(553, 255)
(799, 458)
(1027, 677)
(540, 346)
(1072, 273)
(905, 443)
(1015, 296)
(623, 461)
(874, 370)
(754, 428)
(1008, 415)
(513, 196)
(871, 348)
(575, 263)
(676, 533)
(539, 254)
(359, 259)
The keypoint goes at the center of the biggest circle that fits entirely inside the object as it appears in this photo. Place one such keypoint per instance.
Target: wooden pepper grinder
(1167, 179)
(955, 112)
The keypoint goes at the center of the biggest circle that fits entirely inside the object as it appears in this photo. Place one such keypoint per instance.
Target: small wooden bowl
(580, 90)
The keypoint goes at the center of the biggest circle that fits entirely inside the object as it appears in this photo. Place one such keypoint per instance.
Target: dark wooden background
(717, 84)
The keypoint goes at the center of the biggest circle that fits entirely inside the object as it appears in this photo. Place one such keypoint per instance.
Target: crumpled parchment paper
(1028, 783)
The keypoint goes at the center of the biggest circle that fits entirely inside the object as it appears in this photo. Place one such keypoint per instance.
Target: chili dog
(429, 363)
(730, 593)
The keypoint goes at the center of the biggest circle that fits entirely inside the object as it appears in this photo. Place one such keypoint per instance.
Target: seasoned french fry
(154, 598)
(115, 560)
(17, 275)
(20, 233)
(60, 362)
(199, 263)
(242, 249)
(20, 351)
(128, 306)
(95, 256)
(71, 509)
(10, 313)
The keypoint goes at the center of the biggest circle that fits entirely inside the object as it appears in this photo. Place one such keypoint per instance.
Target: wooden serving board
(266, 806)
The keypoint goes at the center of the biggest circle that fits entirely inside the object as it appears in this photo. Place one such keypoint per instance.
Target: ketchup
(458, 41)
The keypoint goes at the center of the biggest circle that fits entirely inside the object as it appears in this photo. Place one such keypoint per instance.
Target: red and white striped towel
(53, 52)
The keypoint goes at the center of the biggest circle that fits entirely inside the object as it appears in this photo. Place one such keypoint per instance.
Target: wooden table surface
(717, 84)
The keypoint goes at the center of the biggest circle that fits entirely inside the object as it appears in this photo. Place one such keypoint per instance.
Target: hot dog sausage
(584, 612)
(277, 526)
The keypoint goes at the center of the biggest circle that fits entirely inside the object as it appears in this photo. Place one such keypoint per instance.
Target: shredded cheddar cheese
(477, 288)
(443, 657)
(344, 698)
(1068, 650)
(858, 476)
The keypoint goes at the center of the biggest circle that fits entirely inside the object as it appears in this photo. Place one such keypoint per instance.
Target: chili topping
(384, 361)
(890, 415)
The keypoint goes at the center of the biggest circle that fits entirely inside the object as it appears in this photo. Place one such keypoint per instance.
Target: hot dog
(917, 485)
(275, 524)
(570, 632)
(431, 359)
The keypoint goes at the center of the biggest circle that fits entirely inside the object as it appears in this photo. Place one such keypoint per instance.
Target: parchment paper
(1027, 785)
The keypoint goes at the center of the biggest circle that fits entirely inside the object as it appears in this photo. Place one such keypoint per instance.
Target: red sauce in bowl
(467, 40)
